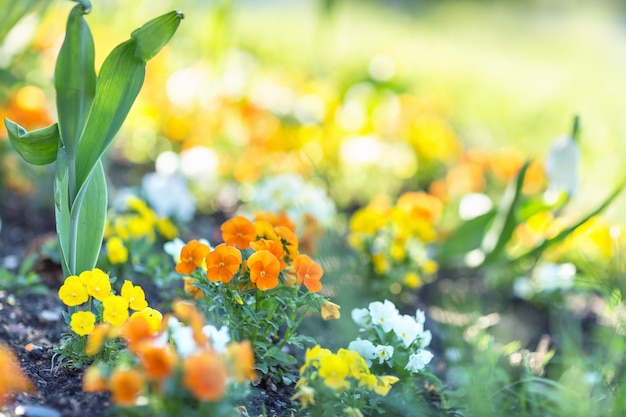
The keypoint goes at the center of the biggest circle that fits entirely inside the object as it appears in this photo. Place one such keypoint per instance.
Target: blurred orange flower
(158, 361)
(222, 263)
(264, 269)
(125, 386)
(192, 255)
(204, 375)
(241, 359)
(239, 232)
(135, 331)
(12, 379)
(308, 272)
(93, 380)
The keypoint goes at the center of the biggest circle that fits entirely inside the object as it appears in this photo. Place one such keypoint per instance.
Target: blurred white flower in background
(290, 193)
(552, 276)
(169, 195)
(563, 163)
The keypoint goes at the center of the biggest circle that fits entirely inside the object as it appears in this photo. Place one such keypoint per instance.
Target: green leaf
(467, 237)
(155, 34)
(38, 147)
(120, 80)
(75, 78)
(88, 216)
(62, 209)
(505, 221)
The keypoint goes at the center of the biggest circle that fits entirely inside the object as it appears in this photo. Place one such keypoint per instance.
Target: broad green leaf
(120, 79)
(38, 147)
(154, 35)
(62, 210)
(75, 79)
(505, 222)
(88, 216)
(467, 237)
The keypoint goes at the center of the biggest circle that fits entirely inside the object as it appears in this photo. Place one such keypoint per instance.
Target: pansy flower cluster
(395, 240)
(93, 303)
(258, 283)
(186, 368)
(392, 340)
(338, 383)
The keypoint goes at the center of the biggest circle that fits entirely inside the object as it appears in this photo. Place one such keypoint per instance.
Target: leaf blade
(38, 147)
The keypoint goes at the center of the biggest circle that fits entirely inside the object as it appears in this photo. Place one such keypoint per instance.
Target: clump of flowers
(390, 340)
(339, 383)
(395, 239)
(187, 368)
(259, 285)
(92, 303)
(12, 379)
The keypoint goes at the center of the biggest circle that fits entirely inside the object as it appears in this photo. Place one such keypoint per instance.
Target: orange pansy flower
(289, 240)
(309, 272)
(274, 246)
(135, 331)
(222, 263)
(158, 361)
(188, 313)
(191, 256)
(191, 289)
(265, 230)
(204, 375)
(239, 232)
(264, 269)
(125, 386)
(280, 219)
(12, 379)
(240, 357)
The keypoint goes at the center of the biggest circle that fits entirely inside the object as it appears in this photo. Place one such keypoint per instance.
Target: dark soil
(31, 324)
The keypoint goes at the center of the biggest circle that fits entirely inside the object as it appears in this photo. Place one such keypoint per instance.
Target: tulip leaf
(154, 35)
(62, 210)
(467, 237)
(120, 79)
(505, 221)
(88, 216)
(75, 79)
(38, 147)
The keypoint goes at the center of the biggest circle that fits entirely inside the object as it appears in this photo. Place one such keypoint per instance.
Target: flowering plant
(187, 368)
(259, 285)
(392, 340)
(339, 383)
(396, 240)
(92, 305)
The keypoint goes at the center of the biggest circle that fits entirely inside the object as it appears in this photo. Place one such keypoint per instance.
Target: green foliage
(24, 279)
(91, 111)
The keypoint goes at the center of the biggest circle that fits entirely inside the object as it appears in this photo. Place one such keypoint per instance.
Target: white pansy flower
(383, 314)
(406, 328)
(418, 361)
(182, 336)
(420, 317)
(219, 338)
(365, 349)
(425, 338)
(384, 353)
(361, 316)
